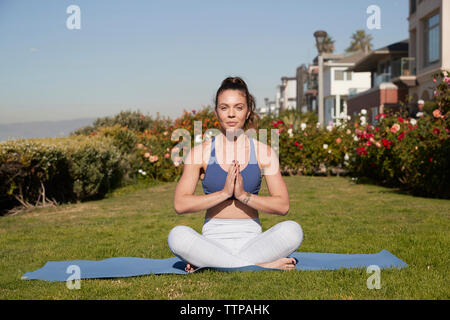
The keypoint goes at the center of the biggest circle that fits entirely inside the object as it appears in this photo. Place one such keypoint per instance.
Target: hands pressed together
(234, 184)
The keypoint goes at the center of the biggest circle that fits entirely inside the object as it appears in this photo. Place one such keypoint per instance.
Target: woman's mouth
(232, 124)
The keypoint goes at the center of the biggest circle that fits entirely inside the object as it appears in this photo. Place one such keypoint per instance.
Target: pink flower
(166, 155)
(146, 155)
(338, 140)
(437, 113)
(395, 128)
(447, 80)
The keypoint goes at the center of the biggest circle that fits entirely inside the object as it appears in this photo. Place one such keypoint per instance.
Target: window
(341, 75)
(412, 6)
(338, 75)
(432, 40)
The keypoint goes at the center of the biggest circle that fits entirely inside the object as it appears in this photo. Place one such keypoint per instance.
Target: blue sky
(164, 56)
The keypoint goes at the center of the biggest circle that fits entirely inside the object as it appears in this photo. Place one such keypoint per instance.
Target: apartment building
(429, 49)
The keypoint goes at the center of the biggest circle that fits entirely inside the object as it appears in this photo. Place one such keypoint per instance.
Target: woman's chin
(234, 129)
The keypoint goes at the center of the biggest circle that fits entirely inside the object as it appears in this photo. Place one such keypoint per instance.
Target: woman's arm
(184, 199)
(278, 201)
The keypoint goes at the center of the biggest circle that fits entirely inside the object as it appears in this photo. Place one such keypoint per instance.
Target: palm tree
(328, 45)
(360, 42)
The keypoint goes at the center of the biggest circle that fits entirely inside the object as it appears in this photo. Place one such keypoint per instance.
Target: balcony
(404, 71)
(311, 86)
(404, 67)
(352, 92)
(380, 78)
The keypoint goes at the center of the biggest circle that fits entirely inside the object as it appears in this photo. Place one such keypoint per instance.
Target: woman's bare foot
(189, 268)
(283, 263)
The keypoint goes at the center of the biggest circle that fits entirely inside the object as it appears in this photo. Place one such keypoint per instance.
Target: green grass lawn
(336, 215)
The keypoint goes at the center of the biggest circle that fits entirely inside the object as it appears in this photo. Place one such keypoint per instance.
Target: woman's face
(232, 110)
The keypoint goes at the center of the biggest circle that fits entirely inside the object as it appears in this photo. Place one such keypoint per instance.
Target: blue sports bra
(215, 176)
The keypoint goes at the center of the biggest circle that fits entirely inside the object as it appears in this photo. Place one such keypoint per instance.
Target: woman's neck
(235, 138)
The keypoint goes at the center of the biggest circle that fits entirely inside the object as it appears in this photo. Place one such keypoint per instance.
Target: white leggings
(230, 243)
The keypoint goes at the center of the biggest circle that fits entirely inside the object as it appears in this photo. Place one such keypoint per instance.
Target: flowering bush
(442, 91)
(408, 153)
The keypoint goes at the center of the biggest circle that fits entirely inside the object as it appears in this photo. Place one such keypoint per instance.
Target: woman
(232, 235)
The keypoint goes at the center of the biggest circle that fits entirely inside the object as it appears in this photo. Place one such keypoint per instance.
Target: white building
(339, 83)
(285, 98)
(288, 93)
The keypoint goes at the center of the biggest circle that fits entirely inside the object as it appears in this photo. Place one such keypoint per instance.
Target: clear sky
(164, 56)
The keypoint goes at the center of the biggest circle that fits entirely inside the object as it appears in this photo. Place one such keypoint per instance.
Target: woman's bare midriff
(231, 209)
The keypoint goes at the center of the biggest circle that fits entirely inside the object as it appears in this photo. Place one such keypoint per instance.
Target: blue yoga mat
(130, 266)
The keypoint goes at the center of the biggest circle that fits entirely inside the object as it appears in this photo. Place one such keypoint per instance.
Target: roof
(288, 78)
(353, 58)
(369, 61)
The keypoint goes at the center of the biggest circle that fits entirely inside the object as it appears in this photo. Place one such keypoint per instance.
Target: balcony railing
(404, 67)
(312, 84)
(352, 92)
(384, 77)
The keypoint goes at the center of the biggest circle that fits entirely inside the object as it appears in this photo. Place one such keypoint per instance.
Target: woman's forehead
(232, 96)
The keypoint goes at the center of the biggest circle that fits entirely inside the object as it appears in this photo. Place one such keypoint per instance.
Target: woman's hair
(236, 83)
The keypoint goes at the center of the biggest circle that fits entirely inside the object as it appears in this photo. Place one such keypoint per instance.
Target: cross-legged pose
(232, 235)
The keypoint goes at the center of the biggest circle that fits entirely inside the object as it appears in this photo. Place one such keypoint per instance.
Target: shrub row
(34, 171)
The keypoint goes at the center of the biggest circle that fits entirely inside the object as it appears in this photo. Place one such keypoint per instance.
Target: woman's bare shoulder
(199, 154)
(266, 156)
(263, 151)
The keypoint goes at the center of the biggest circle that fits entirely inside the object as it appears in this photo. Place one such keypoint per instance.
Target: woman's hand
(230, 181)
(239, 185)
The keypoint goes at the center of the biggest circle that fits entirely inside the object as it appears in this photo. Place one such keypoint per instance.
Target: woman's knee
(179, 239)
(292, 231)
